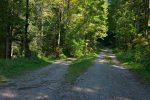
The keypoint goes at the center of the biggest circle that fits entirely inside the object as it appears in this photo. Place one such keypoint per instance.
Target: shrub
(78, 48)
(62, 56)
(146, 59)
(125, 56)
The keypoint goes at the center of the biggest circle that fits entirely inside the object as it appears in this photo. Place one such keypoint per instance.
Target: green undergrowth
(78, 67)
(108, 58)
(127, 59)
(11, 68)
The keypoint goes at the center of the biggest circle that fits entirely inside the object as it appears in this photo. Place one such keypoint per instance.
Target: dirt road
(105, 81)
(43, 84)
(102, 81)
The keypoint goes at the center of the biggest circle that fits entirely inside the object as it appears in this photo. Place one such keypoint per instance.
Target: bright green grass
(78, 67)
(137, 68)
(14, 67)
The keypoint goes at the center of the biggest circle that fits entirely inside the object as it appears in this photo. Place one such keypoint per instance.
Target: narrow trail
(105, 81)
(43, 84)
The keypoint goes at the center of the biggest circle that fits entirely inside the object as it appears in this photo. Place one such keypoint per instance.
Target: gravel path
(43, 84)
(105, 81)
(102, 81)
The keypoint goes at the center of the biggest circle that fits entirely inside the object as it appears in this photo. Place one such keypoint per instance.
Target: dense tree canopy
(39, 27)
(128, 23)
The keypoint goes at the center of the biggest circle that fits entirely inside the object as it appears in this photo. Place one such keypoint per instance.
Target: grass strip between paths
(78, 67)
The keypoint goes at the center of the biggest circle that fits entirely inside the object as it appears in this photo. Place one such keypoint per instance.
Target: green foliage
(125, 56)
(146, 59)
(128, 22)
(52, 23)
(62, 56)
(129, 59)
(78, 67)
(86, 24)
(78, 48)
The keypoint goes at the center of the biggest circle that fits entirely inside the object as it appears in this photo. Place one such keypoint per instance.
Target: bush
(146, 59)
(141, 50)
(138, 53)
(125, 56)
(78, 48)
(62, 56)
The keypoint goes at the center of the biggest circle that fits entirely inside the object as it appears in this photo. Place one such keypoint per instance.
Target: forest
(38, 27)
(52, 29)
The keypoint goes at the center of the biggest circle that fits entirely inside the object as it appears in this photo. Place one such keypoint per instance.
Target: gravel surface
(102, 81)
(105, 81)
(43, 84)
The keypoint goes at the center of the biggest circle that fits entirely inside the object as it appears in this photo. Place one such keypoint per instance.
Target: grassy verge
(14, 67)
(78, 67)
(108, 58)
(127, 59)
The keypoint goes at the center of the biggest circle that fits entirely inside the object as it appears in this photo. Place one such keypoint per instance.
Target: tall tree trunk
(26, 40)
(59, 28)
(148, 35)
(9, 42)
(5, 13)
(67, 21)
(42, 23)
(10, 29)
(2, 46)
(146, 15)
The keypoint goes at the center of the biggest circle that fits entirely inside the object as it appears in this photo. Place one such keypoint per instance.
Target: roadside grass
(11, 68)
(78, 67)
(108, 58)
(126, 59)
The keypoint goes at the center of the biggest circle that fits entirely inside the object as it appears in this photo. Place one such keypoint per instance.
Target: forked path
(105, 81)
(102, 81)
